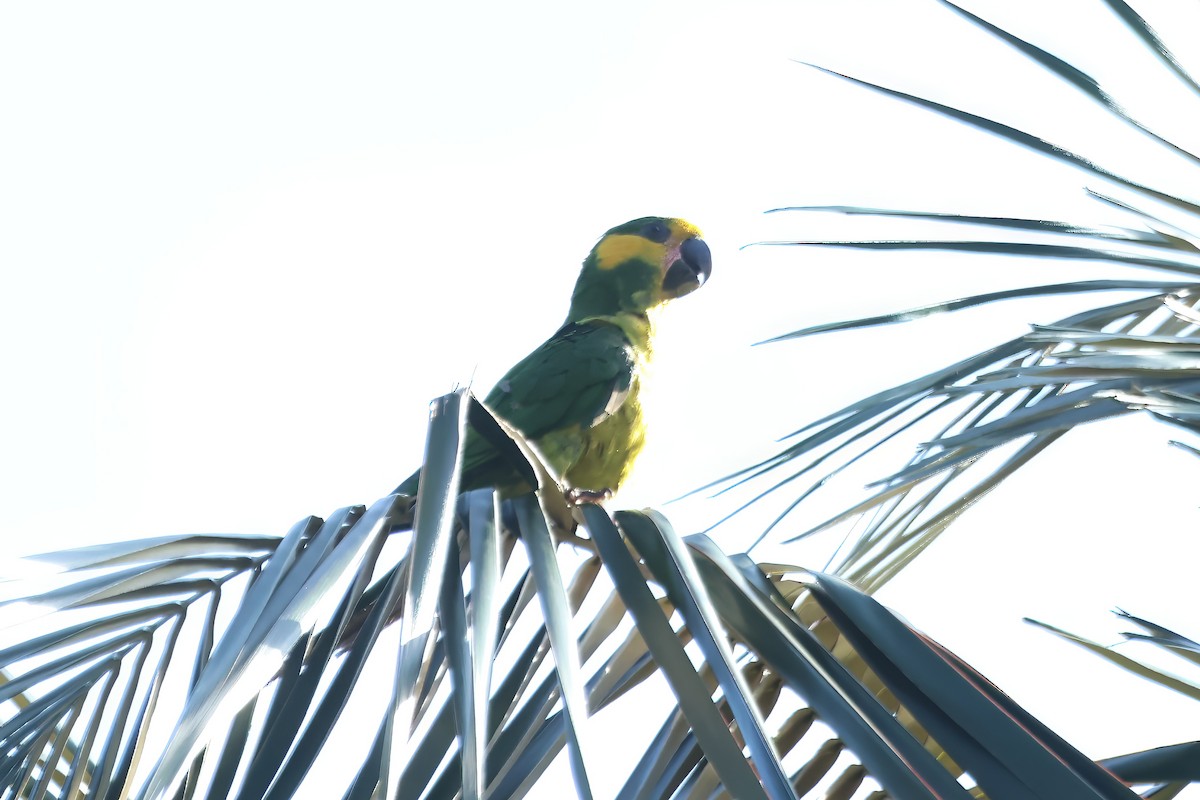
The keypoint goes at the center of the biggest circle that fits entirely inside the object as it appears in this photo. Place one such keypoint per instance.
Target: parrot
(577, 395)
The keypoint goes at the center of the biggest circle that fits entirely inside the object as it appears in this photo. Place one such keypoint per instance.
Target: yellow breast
(600, 457)
(611, 447)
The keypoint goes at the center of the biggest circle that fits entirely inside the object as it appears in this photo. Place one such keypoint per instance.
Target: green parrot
(576, 397)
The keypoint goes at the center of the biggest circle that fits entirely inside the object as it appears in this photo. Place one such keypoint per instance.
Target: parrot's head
(639, 266)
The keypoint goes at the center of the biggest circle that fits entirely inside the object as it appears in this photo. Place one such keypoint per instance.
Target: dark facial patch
(656, 231)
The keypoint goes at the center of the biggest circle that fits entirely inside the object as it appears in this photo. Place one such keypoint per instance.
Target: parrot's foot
(581, 497)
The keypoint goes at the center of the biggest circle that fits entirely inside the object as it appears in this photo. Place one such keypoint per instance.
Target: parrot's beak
(689, 272)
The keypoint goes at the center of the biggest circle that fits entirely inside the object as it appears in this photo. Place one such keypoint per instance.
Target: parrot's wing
(574, 381)
(579, 377)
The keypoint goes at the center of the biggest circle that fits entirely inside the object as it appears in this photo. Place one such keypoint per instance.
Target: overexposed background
(245, 244)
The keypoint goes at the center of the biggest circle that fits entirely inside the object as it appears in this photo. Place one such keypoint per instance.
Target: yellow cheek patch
(617, 249)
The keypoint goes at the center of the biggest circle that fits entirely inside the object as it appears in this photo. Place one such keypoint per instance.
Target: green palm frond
(1171, 767)
(228, 666)
(1166, 640)
(983, 417)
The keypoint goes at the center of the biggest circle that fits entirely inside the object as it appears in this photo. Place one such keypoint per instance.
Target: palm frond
(1150, 37)
(1167, 640)
(983, 417)
(504, 632)
(1171, 765)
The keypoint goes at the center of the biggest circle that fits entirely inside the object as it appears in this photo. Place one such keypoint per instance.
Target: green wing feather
(573, 382)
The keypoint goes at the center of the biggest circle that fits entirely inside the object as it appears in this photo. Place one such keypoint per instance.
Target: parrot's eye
(657, 232)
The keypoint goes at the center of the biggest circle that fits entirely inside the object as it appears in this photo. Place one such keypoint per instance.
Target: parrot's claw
(581, 497)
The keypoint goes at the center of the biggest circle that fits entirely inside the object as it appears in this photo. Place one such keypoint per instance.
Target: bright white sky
(244, 247)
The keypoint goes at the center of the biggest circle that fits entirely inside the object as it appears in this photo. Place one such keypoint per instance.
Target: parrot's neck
(638, 329)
